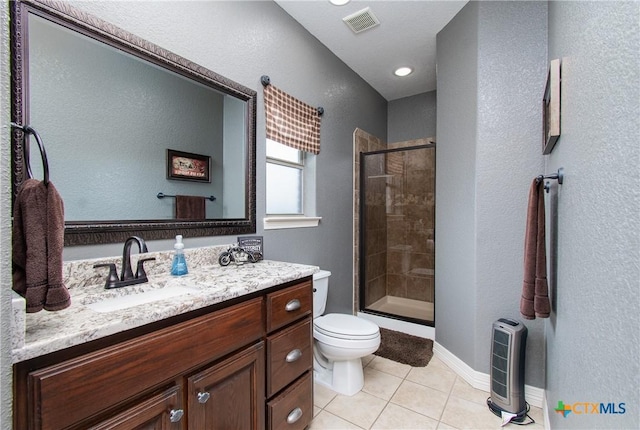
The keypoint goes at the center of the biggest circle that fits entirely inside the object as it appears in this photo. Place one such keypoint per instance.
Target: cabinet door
(160, 412)
(229, 395)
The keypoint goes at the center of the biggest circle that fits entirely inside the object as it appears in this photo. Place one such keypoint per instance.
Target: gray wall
(412, 117)
(491, 69)
(457, 51)
(242, 41)
(593, 345)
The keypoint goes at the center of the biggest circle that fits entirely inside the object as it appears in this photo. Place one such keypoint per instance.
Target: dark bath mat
(404, 348)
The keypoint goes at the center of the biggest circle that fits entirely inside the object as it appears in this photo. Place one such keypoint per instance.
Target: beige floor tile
(443, 426)
(380, 384)
(322, 395)
(440, 378)
(316, 410)
(421, 399)
(327, 421)
(391, 367)
(463, 414)
(436, 362)
(361, 409)
(464, 390)
(537, 415)
(395, 417)
(367, 359)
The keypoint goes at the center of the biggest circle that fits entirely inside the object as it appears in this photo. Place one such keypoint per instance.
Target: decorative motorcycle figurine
(238, 255)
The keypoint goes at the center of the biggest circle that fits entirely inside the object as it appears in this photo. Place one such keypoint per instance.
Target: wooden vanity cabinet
(290, 357)
(220, 370)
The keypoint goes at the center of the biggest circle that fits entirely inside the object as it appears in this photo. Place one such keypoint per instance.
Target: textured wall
(456, 184)
(412, 117)
(491, 68)
(511, 75)
(593, 345)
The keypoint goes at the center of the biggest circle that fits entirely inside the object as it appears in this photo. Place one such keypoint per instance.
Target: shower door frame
(362, 265)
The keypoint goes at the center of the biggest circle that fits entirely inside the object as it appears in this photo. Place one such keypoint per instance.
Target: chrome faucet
(126, 276)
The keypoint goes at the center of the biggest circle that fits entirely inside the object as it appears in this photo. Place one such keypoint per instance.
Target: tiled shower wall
(401, 211)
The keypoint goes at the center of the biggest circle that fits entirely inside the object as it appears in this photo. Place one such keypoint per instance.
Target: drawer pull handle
(294, 416)
(293, 355)
(293, 305)
(203, 396)
(175, 415)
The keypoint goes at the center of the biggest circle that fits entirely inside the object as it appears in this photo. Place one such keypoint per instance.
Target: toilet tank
(320, 291)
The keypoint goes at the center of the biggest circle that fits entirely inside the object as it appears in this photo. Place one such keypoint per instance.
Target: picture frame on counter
(252, 244)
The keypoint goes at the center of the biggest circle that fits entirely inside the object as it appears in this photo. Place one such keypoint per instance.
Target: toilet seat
(343, 326)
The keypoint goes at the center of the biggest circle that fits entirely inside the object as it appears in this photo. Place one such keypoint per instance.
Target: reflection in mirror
(108, 119)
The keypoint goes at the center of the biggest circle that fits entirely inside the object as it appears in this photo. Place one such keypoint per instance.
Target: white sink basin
(131, 300)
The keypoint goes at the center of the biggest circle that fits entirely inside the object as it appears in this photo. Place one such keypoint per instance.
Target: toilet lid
(346, 326)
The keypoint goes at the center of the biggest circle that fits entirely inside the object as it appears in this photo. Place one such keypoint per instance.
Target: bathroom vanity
(236, 352)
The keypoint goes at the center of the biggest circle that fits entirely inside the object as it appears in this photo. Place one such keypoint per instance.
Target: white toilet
(341, 341)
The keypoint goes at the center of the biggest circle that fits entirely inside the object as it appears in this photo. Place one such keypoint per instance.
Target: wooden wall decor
(551, 108)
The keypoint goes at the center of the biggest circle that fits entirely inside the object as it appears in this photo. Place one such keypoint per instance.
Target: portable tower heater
(508, 341)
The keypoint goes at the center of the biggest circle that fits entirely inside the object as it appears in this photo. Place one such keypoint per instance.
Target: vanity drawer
(79, 388)
(288, 305)
(290, 354)
(293, 409)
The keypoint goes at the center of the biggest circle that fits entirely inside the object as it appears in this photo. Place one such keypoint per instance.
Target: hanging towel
(535, 292)
(190, 207)
(38, 240)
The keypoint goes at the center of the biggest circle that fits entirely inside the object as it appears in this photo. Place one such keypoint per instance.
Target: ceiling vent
(361, 20)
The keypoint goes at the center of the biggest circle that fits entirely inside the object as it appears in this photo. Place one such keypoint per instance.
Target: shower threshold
(403, 307)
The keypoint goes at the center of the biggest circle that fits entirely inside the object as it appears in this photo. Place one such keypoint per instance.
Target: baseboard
(479, 380)
(545, 411)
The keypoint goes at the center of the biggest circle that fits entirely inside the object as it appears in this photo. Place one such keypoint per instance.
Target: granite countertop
(205, 285)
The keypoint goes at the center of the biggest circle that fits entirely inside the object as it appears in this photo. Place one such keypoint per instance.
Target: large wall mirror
(123, 120)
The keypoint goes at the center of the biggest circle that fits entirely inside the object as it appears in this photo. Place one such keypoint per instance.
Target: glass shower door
(397, 233)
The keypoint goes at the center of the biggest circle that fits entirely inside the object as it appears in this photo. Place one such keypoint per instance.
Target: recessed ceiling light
(403, 71)
(339, 2)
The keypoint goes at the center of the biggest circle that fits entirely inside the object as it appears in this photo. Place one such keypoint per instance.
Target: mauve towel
(190, 207)
(38, 240)
(535, 292)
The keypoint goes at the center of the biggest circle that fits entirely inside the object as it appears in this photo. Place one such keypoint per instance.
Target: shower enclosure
(397, 211)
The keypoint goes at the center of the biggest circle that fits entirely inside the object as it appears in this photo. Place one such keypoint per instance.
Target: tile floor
(397, 396)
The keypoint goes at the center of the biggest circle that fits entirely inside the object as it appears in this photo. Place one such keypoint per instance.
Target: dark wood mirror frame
(87, 233)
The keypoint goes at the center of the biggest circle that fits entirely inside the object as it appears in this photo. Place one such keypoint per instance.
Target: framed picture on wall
(185, 166)
(551, 108)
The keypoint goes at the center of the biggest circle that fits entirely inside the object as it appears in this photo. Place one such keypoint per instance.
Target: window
(285, 179)
(293, 139)
(290, 182)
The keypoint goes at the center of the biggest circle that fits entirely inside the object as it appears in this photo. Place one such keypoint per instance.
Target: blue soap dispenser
(179, 266)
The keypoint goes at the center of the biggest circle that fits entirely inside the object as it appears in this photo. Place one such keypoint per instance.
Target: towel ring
(26, 130)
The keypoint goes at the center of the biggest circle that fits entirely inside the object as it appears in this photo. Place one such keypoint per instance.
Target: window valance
(291, 121)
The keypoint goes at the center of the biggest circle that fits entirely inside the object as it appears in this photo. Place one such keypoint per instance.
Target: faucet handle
(140, 273)
(112, 279)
